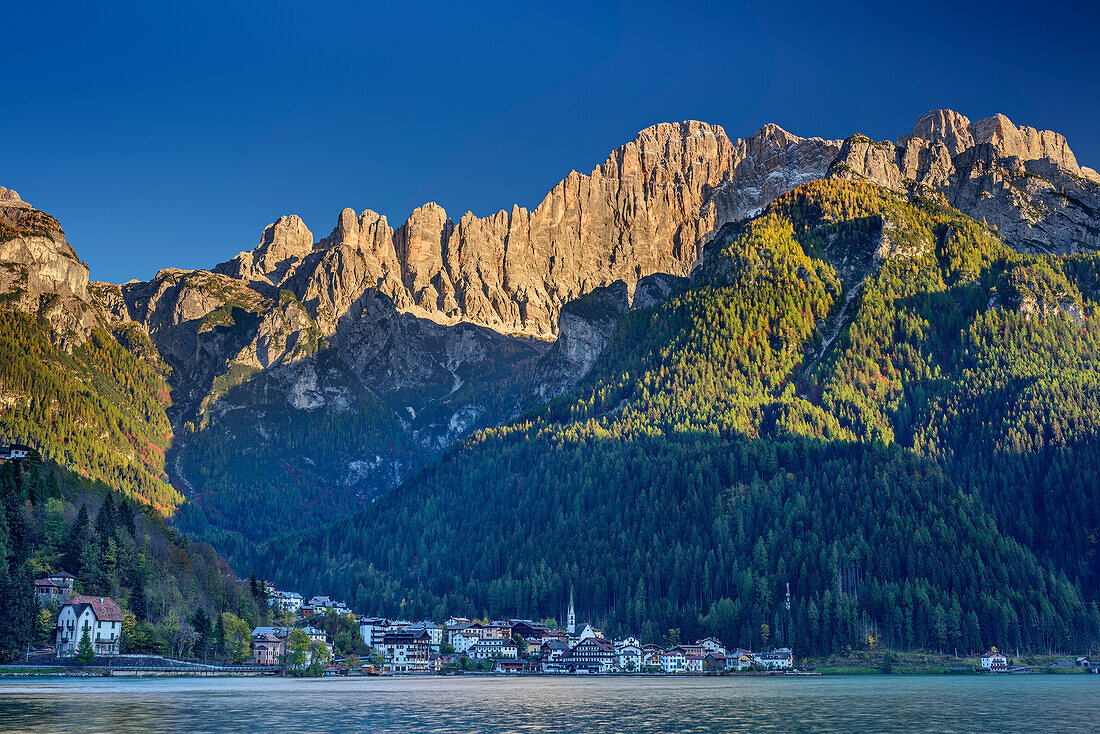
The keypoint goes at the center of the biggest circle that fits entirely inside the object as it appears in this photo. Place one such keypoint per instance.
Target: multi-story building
(628, 657)
(285, 601)
(527, 628)
(592, 650)
(775, 659)
(651, 656)
(673, 661)
(54, 589)
(98, 616)
(994, 660)
(464, 640)
(709, 644)
(740, 659)
(373, 629)
(405, 652)
(267, 649)
(452, 631)
(14, 452)
(493, 649)
(435, 632)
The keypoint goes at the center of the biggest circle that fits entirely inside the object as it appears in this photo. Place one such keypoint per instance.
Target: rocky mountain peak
(1024, 181)
(41, 272)
(10, 198)
(648, 208)
(283, 244)
(946, 126)
(772, 134)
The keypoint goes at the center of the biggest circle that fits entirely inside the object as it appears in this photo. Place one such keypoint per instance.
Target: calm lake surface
(842, 704)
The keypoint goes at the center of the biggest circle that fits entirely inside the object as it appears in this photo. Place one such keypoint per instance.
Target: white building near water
(493, 649)
(994, 660)
(628, 657)
(775, 659)
(463, 641)
(673, 661)
(98, 616)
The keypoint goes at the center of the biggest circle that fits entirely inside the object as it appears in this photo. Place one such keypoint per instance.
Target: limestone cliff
(40, 272)
(349, 361)
(649, 208)
(1025, 182)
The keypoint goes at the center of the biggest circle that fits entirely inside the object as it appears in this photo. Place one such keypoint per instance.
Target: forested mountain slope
(869, 397)
(86, 393)
(291, 385)
(173, 591)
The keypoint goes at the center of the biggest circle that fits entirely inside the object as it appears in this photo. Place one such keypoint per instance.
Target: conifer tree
(105, 521)
(126, 516)
(78, 537)
(85, 653)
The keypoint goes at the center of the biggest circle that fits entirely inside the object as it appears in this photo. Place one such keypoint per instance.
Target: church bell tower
(571, 617)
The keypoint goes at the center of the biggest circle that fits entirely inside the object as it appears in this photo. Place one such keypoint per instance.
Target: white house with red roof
(994, 660)
(100, 616)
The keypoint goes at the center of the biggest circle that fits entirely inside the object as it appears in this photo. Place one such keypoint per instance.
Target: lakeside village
(91, 627)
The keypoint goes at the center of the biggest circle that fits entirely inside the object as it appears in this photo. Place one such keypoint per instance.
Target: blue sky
(169, 136)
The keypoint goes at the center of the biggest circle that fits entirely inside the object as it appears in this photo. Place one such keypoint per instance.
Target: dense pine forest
(178, 597)
(870, 399)
(98, 408)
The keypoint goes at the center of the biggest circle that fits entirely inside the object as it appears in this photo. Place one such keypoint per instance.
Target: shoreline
(25, 672)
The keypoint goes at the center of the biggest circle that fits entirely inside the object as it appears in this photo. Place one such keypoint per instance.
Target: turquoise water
(442, 705)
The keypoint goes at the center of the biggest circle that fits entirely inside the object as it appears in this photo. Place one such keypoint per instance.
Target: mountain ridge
(430, 330)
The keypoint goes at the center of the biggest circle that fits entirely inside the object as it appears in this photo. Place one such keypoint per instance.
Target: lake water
(441, 705)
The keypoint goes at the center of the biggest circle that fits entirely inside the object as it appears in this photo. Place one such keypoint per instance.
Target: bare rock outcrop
(1025, 182)
(283, 245)
(40, 272)
(649, 208)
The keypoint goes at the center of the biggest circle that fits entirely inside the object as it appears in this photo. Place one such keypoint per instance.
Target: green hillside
(928, 478)
(171, 590)
(98, 409)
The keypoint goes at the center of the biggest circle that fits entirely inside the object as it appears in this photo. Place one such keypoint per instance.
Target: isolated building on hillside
(285, 601)
(55, 588)
(326, 605)
(14, 452)
(99, 616)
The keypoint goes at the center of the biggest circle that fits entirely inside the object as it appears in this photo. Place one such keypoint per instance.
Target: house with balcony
(994, 661)
(54, 589)
(99, 616)
(406, 652)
